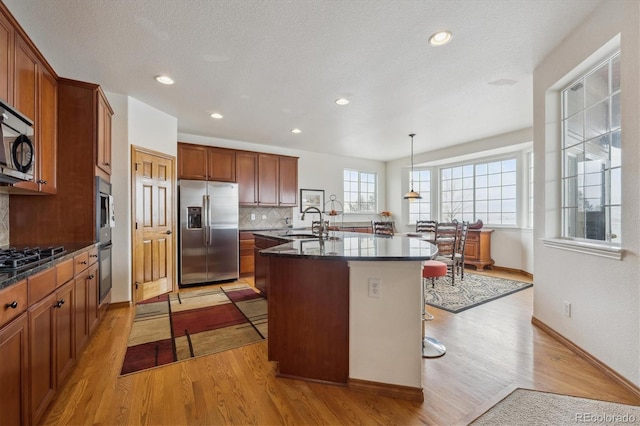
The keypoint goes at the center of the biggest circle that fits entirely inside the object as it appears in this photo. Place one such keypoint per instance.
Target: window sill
(610, 252)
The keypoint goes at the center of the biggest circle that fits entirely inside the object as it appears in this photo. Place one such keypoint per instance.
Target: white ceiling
(271, 66)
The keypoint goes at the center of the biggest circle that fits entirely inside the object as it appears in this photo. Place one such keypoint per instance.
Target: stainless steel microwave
(17, 156)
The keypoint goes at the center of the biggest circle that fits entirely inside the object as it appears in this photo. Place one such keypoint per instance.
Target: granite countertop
(282, 228)
(350, 246)
(8, 278)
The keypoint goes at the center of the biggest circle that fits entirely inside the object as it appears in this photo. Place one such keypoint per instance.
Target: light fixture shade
(412, 195)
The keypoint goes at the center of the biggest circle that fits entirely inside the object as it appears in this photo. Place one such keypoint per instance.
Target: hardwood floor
(491, 349)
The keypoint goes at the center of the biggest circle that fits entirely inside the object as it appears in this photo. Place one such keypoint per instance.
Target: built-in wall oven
(105, 221)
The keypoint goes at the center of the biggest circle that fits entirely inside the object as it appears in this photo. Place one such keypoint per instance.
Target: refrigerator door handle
(209, 220)
(205, 221)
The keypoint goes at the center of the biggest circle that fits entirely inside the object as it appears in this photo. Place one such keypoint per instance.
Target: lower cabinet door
(14, 370)
(64, 313)
(41, 355)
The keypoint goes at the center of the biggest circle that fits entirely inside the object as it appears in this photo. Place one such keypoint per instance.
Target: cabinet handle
(84, 262)
(12, 305)
(60, 303)
(107, 164)
(93, 255)
(90, 277)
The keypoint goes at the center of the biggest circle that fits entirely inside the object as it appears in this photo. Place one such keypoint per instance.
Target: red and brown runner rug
(184, 325)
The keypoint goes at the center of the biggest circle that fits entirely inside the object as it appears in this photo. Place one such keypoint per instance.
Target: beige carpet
(533, 408)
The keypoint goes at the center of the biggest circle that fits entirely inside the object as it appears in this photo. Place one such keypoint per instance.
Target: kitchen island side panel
(309, 318)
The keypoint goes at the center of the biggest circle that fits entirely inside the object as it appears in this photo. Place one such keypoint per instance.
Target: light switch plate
(375, 287)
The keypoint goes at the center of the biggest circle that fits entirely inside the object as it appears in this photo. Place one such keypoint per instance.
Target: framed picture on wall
(311, 198)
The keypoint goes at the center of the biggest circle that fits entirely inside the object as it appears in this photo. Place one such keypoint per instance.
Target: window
(591, 155)
(530, 187)
(485, 191)
(420, 209)
(360, 190)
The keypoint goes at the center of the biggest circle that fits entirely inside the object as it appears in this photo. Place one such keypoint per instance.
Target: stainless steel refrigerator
(208, 231)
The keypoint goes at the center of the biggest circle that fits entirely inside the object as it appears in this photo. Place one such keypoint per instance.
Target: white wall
(510, 247)
(604, 293)
(134, 123)
(315, 171)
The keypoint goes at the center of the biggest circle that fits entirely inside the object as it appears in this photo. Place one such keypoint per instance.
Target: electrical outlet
(375, 287)
(567, 309)
(253, 216)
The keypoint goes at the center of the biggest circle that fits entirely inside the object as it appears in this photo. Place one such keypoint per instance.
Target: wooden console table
(477, 251)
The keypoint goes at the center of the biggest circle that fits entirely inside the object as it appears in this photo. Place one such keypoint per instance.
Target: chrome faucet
(321, 227)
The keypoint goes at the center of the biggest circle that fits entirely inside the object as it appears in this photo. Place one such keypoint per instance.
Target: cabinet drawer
(64, 271)
(80, 262)
(41, 284)
(15, 295)
(93, 255)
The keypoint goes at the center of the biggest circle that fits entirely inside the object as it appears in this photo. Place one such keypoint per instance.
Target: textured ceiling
(271, 66)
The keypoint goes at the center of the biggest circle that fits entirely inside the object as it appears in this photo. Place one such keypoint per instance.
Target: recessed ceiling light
(440, 38)
(164, 79)
(296, 131)
(342, 101)
(216, 115)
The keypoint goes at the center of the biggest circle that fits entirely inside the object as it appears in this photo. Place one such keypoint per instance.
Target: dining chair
(382, 228)
(447, 241)
(427, 227)
(462, 242)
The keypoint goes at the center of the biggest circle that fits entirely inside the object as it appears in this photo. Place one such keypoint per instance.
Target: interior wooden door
(153, 242)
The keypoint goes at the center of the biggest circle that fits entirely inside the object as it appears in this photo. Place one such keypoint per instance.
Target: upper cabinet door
(288, 181)
(192, 162)
(6, 60)
(221, 164)
(268, 180)
(104, 134)
(25, 75)
(48, 131)
(247, 177)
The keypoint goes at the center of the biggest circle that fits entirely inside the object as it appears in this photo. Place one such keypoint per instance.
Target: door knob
(168, 232)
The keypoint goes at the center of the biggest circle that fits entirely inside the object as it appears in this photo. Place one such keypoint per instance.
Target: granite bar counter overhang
(347, 310)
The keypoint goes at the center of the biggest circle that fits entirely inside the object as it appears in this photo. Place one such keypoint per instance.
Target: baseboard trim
(588, 357)
(513, 270)
(384, 389)
(119, 305)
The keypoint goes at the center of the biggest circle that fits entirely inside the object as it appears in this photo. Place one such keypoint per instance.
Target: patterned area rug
(528, 407)
(184, 325)
(474, 290)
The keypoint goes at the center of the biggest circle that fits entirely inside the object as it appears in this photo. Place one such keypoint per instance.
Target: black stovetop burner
(12, 259)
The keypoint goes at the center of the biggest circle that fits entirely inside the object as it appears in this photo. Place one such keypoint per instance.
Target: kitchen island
(347, 310)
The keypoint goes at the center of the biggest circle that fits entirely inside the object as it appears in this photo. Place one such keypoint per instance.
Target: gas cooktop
(13, 259)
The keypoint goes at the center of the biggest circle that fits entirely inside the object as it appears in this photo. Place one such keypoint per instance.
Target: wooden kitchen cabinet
(103, 136)
(14, 370)
(288, 181)
(247, 243)
(64, 331)
(87, 314)
(47, 131)
(35, 95)
(268, 179)
(247, 177)
(206, 163)
(6, 59)
(261, 268)
(41, 355)
(477, 250)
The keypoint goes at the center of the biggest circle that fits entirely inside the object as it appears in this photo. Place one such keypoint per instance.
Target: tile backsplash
(265, 217)
(4, 220)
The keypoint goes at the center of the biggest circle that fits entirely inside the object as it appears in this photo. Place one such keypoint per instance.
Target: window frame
(359, 191)
(426, 194)
(565, 148)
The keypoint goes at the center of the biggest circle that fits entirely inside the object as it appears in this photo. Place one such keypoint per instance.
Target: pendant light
(412, 195)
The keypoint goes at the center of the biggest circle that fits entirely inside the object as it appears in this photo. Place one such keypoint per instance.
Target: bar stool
(431, 347)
